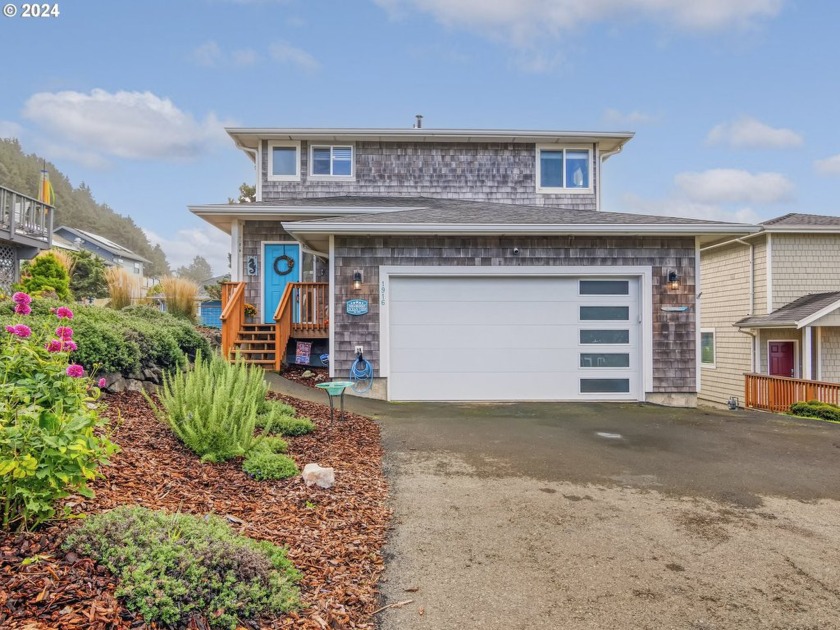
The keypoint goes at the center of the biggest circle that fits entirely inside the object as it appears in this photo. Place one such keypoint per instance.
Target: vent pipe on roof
(419, 123)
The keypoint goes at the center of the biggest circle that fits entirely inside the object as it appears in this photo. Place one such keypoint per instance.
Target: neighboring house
(209, 306)
(25, 230)
(465, 264)
(112, 253)
(771, 305)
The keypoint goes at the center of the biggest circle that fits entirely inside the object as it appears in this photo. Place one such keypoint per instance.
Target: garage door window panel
(609, 336)
(604, 287)
(605, 313)
(605, 360)
(604, 385)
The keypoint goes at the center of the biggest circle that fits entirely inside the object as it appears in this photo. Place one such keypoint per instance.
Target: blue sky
(734, 104)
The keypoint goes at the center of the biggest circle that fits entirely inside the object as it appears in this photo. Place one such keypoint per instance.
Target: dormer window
(563, 169)
(284, 161)
(331, 161)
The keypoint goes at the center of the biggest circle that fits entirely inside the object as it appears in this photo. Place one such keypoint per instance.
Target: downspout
(603, 156)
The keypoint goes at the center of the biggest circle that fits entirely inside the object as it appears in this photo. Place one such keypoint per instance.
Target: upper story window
(331, 161)
(284, 161)
(563, 169)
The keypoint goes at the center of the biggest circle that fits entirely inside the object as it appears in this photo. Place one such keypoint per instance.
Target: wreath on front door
(290, 264)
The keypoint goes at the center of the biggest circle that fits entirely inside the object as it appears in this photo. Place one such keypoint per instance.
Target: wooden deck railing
(303, 311)
(233, 313)
(778, 393)
(25, 216)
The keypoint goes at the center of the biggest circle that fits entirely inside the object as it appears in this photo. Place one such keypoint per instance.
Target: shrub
(271, 444)
(123, 287)
(180, 295)
(284, 425)
(87, 275)
(48, 445)
(172, 567)
(816, 409)
(46, 274)
(263, 464)
(213, 407)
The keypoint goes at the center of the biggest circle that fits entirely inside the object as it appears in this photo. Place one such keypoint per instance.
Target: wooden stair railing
(233, 314)
(303, 309)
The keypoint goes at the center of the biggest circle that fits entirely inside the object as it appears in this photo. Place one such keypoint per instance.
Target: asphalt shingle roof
(421, 210)
(796, 218)
(790, 314)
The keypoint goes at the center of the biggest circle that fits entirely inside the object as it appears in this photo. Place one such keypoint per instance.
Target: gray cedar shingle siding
(500, 172)
(674, 366)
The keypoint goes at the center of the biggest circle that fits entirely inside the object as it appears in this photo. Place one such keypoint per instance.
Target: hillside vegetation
(76, 207)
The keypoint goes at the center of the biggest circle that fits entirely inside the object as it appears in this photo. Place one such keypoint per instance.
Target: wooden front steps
(255, 344)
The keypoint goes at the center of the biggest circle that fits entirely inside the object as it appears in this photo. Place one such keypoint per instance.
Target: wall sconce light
(673, 280)
(357, 279)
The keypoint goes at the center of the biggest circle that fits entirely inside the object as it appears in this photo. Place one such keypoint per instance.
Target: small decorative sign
(302, 352)
(357, 307)
(251, 267)
(674, 309)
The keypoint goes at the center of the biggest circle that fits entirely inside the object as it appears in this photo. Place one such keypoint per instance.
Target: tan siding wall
(760, 285)
(832, 319)
(803, 264)
(724, 275)
(831, 355)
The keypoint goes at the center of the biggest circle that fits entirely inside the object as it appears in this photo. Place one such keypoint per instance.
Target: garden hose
(361, 374)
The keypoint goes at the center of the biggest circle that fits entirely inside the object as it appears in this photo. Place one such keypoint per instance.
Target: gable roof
(100, 241)
(797, 314)
(796, 218)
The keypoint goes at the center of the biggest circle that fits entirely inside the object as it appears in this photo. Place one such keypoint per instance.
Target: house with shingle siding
(464, 264)
(770, 304)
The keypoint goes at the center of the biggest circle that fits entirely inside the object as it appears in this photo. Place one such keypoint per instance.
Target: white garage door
(514, 338)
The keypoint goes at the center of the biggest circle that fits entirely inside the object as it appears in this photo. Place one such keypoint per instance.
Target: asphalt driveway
(608, 516)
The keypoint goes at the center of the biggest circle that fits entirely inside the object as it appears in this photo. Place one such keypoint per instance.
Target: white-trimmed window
(284, 161)
(707, 347)
(564, 169)
(333, 161)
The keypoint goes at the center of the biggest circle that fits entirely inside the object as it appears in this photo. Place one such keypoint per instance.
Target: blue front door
(281, 265)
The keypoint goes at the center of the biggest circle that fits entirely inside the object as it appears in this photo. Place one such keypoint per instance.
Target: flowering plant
(250, 310)
(48, 444)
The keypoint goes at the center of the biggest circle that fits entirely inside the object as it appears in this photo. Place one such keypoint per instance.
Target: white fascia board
(820, 313)
(249, 137)
(811, 229)
(511, 228)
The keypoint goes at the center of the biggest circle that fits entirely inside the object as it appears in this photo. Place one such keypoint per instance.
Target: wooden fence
(778, 393)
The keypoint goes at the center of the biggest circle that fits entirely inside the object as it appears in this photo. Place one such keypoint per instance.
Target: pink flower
(21, 298)
(70, 346)
(22, 330)
(54, 345)
(64, 313)
(64, 332)
(102, 383)
(75, 371)
(23, 309)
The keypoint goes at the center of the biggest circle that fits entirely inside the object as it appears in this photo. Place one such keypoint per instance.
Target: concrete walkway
(539, 515)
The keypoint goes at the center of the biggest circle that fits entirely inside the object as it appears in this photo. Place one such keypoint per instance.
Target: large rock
(134, 385)
(115, 383)
(313, 474)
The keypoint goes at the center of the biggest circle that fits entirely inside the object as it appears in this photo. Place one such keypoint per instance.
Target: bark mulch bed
(333, 536)
(295, 373)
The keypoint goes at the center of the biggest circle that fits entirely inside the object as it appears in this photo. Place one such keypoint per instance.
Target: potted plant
(250, 312)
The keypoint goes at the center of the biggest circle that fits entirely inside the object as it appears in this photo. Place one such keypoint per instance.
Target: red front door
(781, 358)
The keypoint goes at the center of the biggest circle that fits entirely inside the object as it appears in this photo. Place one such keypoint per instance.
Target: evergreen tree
(46, 275)
(198, 270)
(87, 280)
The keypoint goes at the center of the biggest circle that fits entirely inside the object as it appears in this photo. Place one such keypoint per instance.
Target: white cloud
(211, 55)
(535, 62)
(520, 21)
(723, 185)
(634, 118)
(829, 165)
(749, 133)
(9, 129)
(675, 206)
(134, 125)
(183, 246)
(285, 53)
